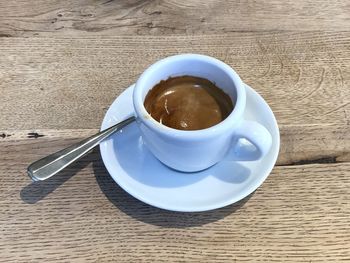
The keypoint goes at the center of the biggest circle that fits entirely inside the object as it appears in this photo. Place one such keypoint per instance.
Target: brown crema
(188, 103)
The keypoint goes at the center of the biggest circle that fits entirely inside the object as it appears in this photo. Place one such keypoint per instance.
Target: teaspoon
(52, 164)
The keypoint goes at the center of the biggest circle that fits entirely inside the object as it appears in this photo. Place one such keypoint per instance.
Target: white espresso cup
(195, 150)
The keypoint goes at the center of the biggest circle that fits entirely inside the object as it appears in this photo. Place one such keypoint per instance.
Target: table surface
(62, 63)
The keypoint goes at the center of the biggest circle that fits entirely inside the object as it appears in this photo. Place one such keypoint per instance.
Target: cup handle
(257, 135)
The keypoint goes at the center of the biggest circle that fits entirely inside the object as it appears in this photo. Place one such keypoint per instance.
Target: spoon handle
(52, 164)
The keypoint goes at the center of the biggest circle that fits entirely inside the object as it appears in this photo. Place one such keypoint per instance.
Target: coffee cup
(196, 150)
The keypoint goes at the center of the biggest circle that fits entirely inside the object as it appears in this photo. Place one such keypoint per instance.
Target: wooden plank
(88, 17)
(300, 214)
(70, 82)
(314, 144)
(299, 144)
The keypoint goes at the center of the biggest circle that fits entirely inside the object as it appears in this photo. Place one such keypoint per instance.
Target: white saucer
(140, 174)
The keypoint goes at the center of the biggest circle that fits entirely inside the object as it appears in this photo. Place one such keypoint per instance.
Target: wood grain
(62, 63)
(168, 17)
(300, 214)
(303, 76)
(299, 144)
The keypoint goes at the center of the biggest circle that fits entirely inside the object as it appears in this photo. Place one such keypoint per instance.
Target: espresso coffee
(188, 103)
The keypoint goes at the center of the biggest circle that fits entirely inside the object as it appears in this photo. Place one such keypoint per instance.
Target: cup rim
(231, 120)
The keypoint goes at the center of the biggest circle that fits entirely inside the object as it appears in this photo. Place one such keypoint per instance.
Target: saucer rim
(246, 192)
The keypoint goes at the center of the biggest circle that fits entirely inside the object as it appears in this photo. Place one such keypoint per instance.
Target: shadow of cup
(36, 191)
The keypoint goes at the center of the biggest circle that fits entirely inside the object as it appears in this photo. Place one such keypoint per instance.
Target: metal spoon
(52, 164)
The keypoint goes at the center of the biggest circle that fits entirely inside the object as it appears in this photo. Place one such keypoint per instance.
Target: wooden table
(62, 63)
